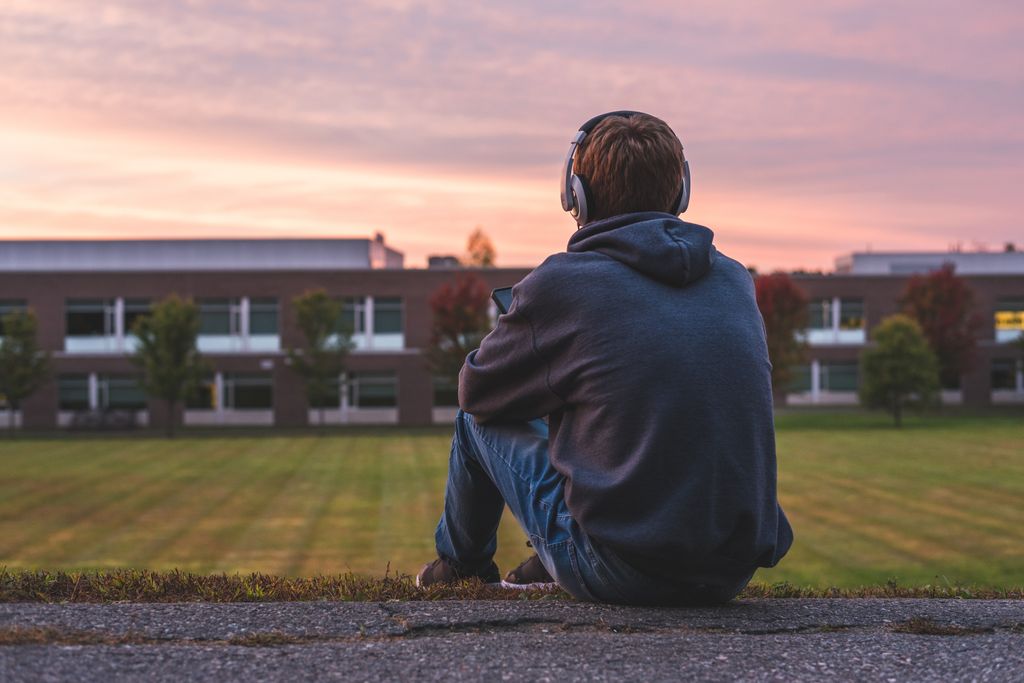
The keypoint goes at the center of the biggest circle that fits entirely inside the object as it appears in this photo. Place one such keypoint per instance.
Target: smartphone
(502, 299)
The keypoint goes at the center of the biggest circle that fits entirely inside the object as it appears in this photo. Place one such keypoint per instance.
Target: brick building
(87, 294)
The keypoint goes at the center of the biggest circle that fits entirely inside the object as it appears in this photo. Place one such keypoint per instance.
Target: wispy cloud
(813, 128)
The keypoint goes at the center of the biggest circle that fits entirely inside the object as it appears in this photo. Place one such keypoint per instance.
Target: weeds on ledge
(138, 585)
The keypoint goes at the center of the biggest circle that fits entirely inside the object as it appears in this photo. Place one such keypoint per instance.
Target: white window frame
(834, 335)
(239, 339)
(366, 340)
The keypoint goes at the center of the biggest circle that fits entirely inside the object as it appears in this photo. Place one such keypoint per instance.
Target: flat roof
(197, 255)
(913, 262)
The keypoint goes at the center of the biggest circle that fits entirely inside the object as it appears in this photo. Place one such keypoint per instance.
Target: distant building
(911, 262)
(865, 289)
(443, 261)
(87, 294)
(91, 256)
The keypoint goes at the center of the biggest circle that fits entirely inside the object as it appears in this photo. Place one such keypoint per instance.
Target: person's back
(645, 347)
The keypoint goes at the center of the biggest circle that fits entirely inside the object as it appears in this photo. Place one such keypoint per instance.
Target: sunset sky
(813, 127)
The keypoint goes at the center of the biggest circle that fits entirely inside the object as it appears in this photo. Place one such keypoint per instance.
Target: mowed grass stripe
(163, 526)
(328, 547)
(987, 495)
(864, 498)
(396, 499)
(213, 539)
(33, 478)
(206, 463)
(23, 468)
(365, 542)
(63, 525)
(886, 523)
(867, 502)
(314, 521)
(131, 519)
(956, 521)
(872, 535)
(270, 539)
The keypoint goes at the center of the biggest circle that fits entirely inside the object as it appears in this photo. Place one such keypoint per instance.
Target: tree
(479, 250)
(900, 369)
(321, 360)
(167, 355)
(783, 307)
(460, 322)
(942, 303)
(23, 367)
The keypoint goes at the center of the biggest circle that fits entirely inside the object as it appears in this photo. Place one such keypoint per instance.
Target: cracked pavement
(754, 640)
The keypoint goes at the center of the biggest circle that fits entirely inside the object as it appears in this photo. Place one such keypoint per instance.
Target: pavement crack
(926, 627)
(12, 636)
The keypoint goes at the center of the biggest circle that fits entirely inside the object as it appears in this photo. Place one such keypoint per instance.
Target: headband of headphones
(574, 191)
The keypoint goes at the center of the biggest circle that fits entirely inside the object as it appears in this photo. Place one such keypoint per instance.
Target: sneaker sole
(530, 586)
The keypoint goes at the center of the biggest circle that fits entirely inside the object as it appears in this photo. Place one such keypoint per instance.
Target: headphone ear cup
(684, 190)
(581, 199)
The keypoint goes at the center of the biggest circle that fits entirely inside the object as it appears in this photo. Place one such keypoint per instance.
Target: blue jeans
(495, 464)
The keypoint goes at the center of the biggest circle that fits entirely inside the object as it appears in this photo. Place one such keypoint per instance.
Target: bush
(900, 370)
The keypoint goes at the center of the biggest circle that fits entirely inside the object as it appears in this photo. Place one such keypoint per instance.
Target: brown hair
(630, 164)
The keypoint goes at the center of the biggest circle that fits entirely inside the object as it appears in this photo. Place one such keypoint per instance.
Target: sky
(813, 127)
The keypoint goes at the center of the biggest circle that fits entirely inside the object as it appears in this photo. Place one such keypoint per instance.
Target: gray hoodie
(645, 347)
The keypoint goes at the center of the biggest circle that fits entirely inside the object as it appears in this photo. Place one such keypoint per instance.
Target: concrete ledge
(561, 640)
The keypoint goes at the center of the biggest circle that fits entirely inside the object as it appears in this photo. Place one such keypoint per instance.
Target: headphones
(575, 194)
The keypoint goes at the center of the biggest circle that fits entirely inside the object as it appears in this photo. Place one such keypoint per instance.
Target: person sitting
(622, 406)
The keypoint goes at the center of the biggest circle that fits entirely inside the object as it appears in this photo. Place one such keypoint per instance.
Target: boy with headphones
(653, 480)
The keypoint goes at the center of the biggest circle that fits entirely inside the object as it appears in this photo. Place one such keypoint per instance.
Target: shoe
(530, 574)
(440, 571)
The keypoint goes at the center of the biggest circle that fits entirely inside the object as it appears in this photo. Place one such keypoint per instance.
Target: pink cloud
(823, 126)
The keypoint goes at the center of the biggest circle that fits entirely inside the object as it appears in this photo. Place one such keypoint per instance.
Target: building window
(1004, 373)
(73, 392)
(839, 376)
(446, 392)
(373, 323)
(263, 316)
(819, 315)
(1009, 319)
(238, 325)
(835, 321)
(353, 315)
(801, 379)
(219, 317)
(120, 393)
(248, 392)
(90, 317)
(133, 310)
(102, 325)
(851, 314)
(372, 390)
(387, 315)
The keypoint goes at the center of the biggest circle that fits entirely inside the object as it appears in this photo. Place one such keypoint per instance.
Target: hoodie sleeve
(508, 377)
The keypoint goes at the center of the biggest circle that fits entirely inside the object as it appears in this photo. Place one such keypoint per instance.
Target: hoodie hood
(656, 244)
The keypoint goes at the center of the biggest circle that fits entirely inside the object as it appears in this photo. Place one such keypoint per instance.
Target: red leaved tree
(942, 304)
(784, 309)
(460, 322)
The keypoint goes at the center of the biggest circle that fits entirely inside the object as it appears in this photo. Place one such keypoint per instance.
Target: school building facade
(86, 295)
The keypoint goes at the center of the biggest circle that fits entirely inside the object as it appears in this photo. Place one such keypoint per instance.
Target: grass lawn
(940, 501)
